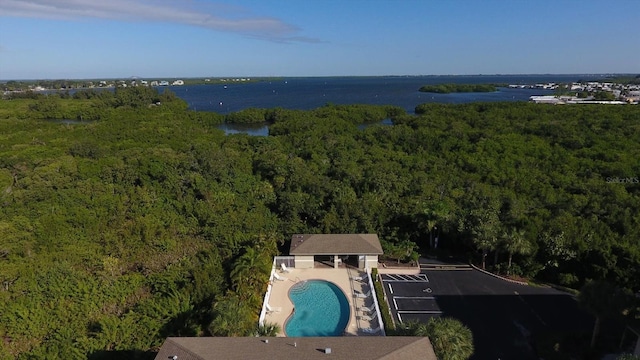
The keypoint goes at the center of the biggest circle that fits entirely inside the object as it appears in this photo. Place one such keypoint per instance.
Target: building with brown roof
(361, 250)
(335, 348)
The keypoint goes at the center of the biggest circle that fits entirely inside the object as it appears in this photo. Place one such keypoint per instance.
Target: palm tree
(250, 270)
(431, 226)
(451, 340)
(516, 243)
(435, 213)
(485, 229)
(411, 328)
(268, 329)
(232, 317)
(603, 300)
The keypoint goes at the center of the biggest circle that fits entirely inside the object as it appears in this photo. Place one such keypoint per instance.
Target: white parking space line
(405, 278)
(399, 314)
(419, 311)
(415, 297)
(395, 304)
(390, 289)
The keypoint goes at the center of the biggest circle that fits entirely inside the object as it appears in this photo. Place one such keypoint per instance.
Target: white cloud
(194, 13)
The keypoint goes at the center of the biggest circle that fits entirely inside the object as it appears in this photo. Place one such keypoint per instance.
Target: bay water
(307, 93)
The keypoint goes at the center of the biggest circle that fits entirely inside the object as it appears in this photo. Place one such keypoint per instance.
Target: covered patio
(360, 251)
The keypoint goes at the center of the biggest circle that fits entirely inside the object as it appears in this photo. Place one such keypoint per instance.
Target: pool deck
(342, 277)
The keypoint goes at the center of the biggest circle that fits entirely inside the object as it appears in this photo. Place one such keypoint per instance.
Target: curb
(499, 277)
(399, 270)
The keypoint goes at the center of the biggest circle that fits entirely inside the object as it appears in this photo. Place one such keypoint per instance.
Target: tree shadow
(508, 326)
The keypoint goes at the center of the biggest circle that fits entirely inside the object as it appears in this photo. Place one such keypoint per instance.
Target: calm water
(310, 93)
(263, 129)
(249, 129)
(321, 309)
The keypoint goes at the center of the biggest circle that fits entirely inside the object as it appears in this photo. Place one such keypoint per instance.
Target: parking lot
(502, 316)
(410, 297)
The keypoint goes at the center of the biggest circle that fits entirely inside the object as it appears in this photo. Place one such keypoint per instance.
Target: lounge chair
(361, 295)
(367, 318)
(361, 278)
(284, 268)
(367, 309)
(278, 277)
(372, 331)
(273, 309)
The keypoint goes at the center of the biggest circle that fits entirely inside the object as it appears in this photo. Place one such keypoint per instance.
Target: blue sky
(52, 39)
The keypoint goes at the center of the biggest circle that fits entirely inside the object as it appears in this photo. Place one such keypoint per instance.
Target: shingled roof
(325, 348)
(335, 244)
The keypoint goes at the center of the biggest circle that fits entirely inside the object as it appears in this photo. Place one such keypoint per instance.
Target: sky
(89, 39)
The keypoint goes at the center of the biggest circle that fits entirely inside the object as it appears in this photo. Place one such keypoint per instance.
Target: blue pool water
(321, 309)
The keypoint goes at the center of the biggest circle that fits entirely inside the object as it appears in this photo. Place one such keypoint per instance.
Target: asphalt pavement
(503, 316)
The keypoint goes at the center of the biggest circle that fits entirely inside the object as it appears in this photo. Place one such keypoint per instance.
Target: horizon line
(133, 77)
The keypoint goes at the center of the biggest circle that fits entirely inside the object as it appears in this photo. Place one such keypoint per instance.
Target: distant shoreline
(460, 88)
(312, 92)
(262, 78)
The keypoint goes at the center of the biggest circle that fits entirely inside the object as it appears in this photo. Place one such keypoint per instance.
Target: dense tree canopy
(449, 88)
(148, 221)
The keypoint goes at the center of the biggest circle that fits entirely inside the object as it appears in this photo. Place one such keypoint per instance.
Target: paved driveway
(502, 315)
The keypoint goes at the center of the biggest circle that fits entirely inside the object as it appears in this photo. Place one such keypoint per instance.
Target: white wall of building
(304, 262)
(371, 261)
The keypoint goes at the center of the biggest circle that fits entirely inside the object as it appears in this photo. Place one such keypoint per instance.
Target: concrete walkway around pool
(343, 278)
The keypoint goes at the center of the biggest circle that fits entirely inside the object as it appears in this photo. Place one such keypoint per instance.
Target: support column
(336, 261)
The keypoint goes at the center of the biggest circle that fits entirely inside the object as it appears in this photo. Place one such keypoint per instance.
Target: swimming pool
(321, 309)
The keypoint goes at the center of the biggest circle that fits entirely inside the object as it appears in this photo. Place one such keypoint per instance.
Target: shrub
(389, 325)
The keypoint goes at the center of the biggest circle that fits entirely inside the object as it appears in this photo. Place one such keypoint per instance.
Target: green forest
(459, 88)
(127, 218)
